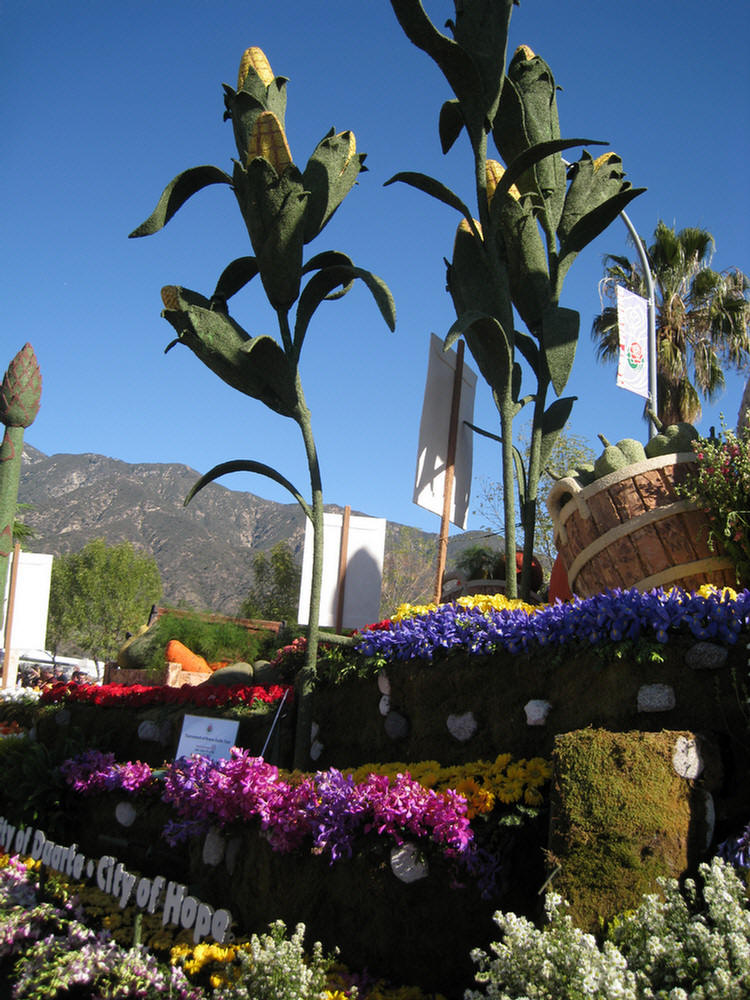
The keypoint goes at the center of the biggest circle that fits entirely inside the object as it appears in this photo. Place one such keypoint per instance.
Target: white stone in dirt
(462, 727)
(150, 731)
(656, 698)
(213, 848)
(686, 758)
(706, 656)
(408, 864)
(384, 705)
(316, 749)
(125, 813)
(396, 726)
(314, 730)
(537, 711)
(384, 685)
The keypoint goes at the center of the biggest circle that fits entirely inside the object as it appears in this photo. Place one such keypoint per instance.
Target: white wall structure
(29, 624)
(364, 571)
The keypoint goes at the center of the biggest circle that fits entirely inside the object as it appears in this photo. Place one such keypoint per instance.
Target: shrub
(211, 640)
(275, 967)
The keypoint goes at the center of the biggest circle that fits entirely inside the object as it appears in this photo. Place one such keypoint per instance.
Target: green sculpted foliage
(283, 208)
(534, 216)
(20, 393)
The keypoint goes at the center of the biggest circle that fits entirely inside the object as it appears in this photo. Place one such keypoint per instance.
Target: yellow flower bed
(482, 783)
(484, 602)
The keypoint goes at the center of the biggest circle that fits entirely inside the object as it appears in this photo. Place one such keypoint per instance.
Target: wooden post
(343, 559)
(10, 666)
(450, 470)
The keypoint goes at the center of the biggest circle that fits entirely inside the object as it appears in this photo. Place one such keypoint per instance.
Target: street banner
(632, 322)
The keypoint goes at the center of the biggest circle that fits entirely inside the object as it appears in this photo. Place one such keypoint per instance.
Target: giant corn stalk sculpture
(20, 394)
(533, 217)
(284, 208)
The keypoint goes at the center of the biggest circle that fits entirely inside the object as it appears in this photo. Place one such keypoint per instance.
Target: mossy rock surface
(621, 818)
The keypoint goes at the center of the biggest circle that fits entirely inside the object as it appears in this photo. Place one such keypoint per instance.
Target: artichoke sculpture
(20, 395)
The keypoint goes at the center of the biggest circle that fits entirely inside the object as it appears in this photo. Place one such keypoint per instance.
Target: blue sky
(102, 104)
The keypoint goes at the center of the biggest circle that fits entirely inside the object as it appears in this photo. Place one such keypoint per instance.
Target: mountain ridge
(204, 551)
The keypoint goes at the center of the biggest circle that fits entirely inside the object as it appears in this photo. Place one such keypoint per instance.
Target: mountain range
(204, 551)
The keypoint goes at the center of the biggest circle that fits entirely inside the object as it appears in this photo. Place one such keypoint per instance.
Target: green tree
(569, 451)
(98, 595)
(274, 595)
(702, 318)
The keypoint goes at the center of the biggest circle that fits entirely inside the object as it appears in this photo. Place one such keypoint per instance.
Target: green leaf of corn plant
(234, 277)
(328, 177)
(329, 258)
(525, 257)
(555, 417)
(534, 155)
(434, 188)
(481, 29)
(454, 62)
(528, 349)
(176, 193)
(320, 286)
(255, 366)
(559, 338)
(450, 124)
(248, 465)
(597, 193)
(273, 208)
(521, 478)
(474, 284)
(488, 343)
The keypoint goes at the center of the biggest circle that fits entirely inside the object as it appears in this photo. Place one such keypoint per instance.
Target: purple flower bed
(328, 809)
(613, 616)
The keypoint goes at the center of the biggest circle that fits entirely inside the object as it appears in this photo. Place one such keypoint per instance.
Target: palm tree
(702, 318)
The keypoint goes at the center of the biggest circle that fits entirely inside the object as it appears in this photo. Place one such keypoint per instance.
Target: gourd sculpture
(533, 216)
(20, 394)
(284, 208)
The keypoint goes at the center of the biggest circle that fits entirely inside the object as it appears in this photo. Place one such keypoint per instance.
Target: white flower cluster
(22, 695)
(277, 968)
(677, 946)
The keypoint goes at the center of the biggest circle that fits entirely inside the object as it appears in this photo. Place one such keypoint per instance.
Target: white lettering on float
(113, 878)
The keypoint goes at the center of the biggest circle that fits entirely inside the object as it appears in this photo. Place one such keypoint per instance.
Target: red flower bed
(139, 695)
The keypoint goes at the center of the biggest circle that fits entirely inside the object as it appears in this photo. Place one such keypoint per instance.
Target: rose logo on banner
(632, 322)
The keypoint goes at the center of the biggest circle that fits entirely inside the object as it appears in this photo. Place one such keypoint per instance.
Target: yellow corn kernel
(604, 158)
(267, 139)
(169, 297)
(495, 172)
(256, 58)
(351, 151)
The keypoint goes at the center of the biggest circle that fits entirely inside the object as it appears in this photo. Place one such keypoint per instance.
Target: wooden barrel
(631, 529)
